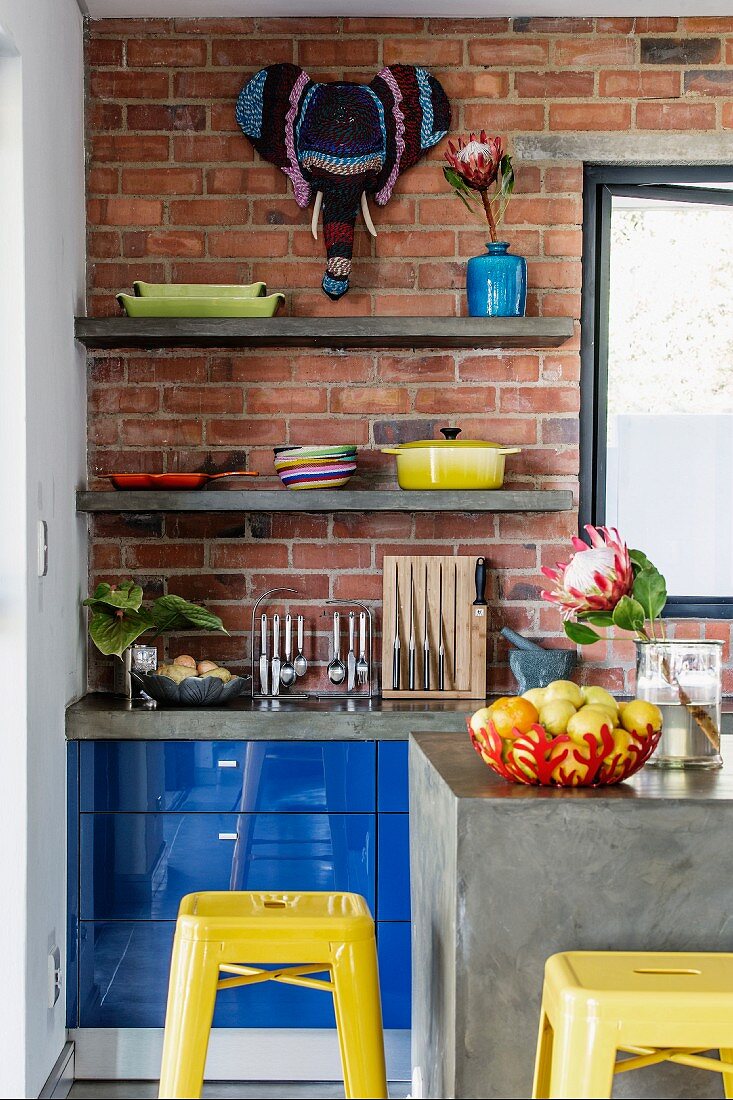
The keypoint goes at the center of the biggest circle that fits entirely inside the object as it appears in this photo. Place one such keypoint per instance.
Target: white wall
(12, 565)
(48, 35)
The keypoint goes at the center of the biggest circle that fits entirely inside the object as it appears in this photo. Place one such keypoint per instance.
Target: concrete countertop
(106, 717)
(467, 777)
(102, 717)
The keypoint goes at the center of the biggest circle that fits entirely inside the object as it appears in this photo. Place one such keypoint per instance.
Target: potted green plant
(118, 619)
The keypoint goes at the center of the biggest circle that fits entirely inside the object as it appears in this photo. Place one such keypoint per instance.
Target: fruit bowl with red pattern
(565, 736)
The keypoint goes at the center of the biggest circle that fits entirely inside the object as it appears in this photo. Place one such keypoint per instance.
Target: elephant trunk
(340, 208)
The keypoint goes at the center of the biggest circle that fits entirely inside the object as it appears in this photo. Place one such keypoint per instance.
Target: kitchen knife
(455, 621)
(275, 655)
(441, 647)
(351, 655)
(426, 640)
(396, 655)
(481, 568)
(411, 644)
(263, 654)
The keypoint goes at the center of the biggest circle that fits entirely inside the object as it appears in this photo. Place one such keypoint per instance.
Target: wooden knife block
(465, 646)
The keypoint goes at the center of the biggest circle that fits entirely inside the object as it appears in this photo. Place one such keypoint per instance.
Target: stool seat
(641, 983)
(274, 916)
(239, 935)
(656, 1006)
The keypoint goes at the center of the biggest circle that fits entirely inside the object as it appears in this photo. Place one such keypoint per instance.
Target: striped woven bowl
(300, 468)
(292, 454)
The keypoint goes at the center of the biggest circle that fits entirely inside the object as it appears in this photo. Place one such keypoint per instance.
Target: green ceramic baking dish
(198, 290)
(200, 307)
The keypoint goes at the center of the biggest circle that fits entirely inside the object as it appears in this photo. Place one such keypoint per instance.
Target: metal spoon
(287, 671)
(336, 669)
(300, 664)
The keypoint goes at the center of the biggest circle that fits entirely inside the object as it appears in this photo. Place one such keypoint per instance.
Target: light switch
(42, 548)
(54, 976)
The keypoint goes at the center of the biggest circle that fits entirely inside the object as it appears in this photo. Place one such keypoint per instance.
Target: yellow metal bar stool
(225, 939)
(654, 1007)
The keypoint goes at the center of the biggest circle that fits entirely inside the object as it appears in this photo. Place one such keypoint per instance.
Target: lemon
(610, 712)
(564, 689)
(536, 696)
(480, 719)
(591, 720)
(638, 715)
(598, 696)
(555, 715)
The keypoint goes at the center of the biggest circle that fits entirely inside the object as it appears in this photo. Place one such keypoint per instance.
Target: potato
(206, 666)
(222, 674)
(177, 673)
(186, 660)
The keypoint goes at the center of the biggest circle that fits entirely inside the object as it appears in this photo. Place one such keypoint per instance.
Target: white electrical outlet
(42, 548)
(54, 976)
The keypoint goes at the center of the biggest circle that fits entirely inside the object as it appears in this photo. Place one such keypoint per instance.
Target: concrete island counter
(505, 875)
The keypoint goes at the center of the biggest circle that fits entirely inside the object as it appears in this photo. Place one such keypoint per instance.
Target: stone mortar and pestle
(536, 667)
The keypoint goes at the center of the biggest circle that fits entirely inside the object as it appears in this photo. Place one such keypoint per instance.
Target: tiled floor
(227, 1090)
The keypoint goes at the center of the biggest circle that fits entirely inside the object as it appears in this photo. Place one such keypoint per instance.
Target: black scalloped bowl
(194, 691)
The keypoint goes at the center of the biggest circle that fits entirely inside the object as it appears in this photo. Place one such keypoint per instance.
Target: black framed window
(656, 449)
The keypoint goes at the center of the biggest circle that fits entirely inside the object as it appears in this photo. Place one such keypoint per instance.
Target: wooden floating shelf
(324, 332)
(325, 500)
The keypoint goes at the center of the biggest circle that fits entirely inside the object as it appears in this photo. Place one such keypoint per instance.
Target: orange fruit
(513, 713)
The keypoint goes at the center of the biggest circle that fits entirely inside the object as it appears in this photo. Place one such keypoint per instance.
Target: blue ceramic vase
(496, 284)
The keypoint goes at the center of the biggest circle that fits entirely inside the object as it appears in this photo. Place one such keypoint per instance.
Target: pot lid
(449, 440)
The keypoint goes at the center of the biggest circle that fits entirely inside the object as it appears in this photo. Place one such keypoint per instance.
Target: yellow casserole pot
(450, 463)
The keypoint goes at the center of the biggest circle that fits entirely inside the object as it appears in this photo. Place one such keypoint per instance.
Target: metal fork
(362, 668)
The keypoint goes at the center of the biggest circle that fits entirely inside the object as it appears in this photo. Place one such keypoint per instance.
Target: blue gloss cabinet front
(228, 776)
(152, 821)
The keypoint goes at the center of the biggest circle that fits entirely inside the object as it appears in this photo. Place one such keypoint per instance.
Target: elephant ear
(416, 117)
(267, 112)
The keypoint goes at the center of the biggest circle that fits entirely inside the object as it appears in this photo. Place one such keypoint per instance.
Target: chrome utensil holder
(287, 694)
(360, 691)
(369, 693)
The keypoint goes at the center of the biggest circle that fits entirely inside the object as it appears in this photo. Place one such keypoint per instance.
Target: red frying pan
(172, 481)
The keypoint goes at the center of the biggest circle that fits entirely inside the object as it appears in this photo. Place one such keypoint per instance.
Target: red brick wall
(176, 193)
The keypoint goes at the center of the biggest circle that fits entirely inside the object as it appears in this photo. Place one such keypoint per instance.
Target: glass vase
(684, 679)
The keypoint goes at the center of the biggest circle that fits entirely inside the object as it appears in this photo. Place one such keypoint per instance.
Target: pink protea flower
(480, 164)
(595, 578)
(477, 160)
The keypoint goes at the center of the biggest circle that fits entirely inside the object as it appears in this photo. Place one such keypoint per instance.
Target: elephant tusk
(316, 213)
(367, 216)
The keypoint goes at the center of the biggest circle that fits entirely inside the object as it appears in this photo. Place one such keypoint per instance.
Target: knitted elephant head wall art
(341, 140)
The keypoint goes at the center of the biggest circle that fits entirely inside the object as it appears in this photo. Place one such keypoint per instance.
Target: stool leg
(726, 1055)
(583, 1057)
(543, 1059)
(359, 1019)
(191, 997)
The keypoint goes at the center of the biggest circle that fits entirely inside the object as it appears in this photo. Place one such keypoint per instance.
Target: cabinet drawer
(393, 867)
(123, 982)
(139, 866)
(395, 973)
(392, 785)
(228, 776)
